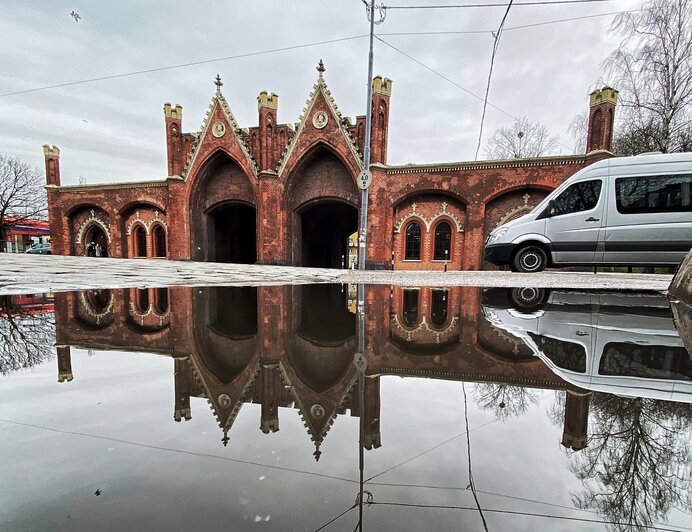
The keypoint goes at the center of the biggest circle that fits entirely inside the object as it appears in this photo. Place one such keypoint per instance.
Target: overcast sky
(112, 130)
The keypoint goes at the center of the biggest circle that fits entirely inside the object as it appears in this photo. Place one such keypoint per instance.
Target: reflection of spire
(225, 438)
(317, 452)
(64, 364)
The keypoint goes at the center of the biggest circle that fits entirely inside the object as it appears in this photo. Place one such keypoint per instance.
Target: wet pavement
(329, 407)
(20, 273)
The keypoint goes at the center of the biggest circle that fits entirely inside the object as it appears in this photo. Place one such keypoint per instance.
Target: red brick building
(291, 348)
(286, 193)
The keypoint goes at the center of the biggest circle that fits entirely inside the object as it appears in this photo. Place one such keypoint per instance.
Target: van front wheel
(530, 259)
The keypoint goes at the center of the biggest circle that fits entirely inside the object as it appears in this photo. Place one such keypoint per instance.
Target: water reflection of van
(622, 343)
(626, 210)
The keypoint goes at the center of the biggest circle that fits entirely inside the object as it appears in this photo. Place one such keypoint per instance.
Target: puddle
(277, 407)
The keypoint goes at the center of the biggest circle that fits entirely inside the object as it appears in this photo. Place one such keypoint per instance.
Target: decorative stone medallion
(320, 119)
(224, 400)
(218, 129)
(317, 411)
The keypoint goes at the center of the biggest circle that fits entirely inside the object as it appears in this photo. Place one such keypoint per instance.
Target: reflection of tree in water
(26, 338)
(638, 454)
(503, 400)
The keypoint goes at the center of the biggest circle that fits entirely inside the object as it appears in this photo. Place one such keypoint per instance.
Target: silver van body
(620, 211)
(623, 343)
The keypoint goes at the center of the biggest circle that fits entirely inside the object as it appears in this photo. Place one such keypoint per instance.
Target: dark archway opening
(325, 229)
(233, 234)
(324, 313)
(98, 236)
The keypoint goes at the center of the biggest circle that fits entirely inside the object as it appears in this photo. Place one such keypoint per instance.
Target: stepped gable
(219, 131)
(321, 122)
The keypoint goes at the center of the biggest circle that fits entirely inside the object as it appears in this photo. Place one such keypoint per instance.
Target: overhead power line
(523, 26)
(497, 36)
(465, 6)
(443, 76)
(182, 65)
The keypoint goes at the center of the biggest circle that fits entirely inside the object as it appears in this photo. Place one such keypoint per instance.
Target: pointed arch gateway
(322, 201)
(223, 215)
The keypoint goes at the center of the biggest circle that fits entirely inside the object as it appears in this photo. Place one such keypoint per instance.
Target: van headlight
(497, 234)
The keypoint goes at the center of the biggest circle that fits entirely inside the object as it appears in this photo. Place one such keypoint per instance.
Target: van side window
(566, 355)
(581, 196)
(640, 194)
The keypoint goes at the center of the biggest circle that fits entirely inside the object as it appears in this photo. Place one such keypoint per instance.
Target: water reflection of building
(293, 347)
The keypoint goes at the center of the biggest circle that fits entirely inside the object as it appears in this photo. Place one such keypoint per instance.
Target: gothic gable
(219, 131)
(321, 123)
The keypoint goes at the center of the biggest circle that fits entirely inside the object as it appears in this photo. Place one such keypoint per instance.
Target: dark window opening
(443, 241)
(413, 242)
(578, 197)
(159, 241)
(142, 300)
(566, 355)
(410, 307)
(140, 242)
(647, 361)
(438, 314)
(161, 300)
(643, 194)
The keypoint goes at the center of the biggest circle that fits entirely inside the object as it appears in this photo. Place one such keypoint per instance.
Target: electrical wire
(490, 73)
(472, 484)
(443, 76)
(524, 26)
(182, 65)
(463, 6)
(516, 512)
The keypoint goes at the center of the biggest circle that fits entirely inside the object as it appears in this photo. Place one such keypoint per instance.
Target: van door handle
(592, 219)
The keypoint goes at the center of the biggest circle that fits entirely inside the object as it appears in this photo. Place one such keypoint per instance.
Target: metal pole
(362, 237)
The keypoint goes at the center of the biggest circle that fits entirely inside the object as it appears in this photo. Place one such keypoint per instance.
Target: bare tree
(637, 464)
(22, 196)
(504, 400)
(522, 139)
(652, 68)
(577, 130)
(26, 337)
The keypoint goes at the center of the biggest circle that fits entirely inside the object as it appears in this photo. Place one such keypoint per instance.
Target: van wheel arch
(530, 257)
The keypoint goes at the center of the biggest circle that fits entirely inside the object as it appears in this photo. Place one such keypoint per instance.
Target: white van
(624, 343)
(620, 211)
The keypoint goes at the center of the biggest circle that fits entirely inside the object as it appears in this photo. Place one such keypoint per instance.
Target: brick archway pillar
(473, 257)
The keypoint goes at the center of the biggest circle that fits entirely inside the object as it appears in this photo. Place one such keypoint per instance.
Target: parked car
(621, 211)
(39, 249)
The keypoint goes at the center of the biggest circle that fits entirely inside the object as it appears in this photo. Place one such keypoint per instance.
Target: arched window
(140, 237)
(443, 241)
(438, 314)
(159, 241)
(412, 241)
(142, 300)
(410, 307)
(161, 300)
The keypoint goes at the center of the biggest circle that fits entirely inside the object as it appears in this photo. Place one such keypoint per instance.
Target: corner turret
(267, 106)
(52, 157)
(174, 137)
(602, 104)
(381, 94)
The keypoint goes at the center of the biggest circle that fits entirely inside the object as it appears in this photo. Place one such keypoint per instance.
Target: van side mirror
(548, 211)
